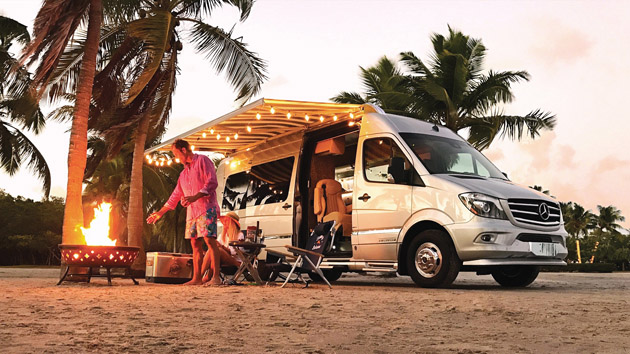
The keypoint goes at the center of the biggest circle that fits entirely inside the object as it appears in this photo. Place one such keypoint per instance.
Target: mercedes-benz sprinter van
(415, 199)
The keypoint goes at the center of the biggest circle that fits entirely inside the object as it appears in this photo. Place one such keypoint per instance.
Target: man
(196, 191)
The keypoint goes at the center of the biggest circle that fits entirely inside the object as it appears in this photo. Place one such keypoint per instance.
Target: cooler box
(169, 268)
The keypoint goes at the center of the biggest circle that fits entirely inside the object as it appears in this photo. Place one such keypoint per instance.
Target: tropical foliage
(18, 108)
(451, 90)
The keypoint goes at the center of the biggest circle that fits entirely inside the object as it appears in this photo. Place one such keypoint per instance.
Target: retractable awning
(262, 120)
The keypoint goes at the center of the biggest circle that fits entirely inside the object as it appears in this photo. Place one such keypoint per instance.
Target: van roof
(264, 119)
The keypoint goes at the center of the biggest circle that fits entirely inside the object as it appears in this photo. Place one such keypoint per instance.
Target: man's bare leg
(213, 257)
(197, 247)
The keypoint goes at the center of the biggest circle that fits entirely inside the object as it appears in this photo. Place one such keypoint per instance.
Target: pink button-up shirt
(197, 176)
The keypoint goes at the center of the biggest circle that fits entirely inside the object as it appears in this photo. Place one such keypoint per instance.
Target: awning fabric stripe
(260, 121)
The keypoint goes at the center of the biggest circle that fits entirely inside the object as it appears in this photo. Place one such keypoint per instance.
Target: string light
(204, 135)
(258, 116)
(306, 117)
(227, 139)
(218, 136)
(272, 110)
(350, 123)
(335, 118)
(148, 157)
(236, 136)
(211, 131)
(192, 147)
(249, 129)
(289, 115)
(351, 116)
(321, 118)
(169, 162)
(178, 160)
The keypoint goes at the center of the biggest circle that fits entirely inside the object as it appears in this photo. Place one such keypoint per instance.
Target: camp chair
(309, 258)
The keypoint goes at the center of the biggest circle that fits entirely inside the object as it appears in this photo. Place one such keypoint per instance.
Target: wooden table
(247, 258)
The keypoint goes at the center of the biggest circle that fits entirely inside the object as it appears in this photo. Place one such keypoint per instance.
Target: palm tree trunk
(135, 221)
(77, 152)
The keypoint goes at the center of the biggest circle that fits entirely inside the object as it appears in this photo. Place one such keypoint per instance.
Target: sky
(576, 52)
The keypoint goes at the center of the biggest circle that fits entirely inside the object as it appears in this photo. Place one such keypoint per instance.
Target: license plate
(543, 249)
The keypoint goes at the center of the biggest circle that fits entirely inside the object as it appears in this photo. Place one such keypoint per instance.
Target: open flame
(98, 232)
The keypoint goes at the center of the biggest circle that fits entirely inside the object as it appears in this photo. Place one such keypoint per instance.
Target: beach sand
(560, 312)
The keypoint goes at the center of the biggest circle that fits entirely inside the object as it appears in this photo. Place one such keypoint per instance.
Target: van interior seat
(327, 200)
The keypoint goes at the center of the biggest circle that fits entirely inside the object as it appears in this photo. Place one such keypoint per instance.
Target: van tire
(330, 274)
(438, 264)
(515, 276)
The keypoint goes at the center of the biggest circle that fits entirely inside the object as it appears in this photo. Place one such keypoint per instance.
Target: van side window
(235, 190)
(269, 182)
(384, 162)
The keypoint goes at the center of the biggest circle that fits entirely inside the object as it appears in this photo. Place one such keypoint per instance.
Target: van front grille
(535, 212)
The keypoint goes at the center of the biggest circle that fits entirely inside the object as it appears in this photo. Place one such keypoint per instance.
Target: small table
(247, 258)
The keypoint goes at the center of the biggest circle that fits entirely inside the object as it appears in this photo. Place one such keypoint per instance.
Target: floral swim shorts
(204, 225)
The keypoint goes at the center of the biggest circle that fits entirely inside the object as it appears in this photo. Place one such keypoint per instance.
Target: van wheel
(431, 259)
(515, 276)
(330, 274)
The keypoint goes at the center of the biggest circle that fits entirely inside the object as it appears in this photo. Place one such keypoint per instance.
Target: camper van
(409, 197)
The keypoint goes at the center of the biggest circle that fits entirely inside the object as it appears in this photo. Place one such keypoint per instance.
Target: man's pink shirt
(197, 176)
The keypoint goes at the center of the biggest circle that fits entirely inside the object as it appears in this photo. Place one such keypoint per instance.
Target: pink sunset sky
(577, 53)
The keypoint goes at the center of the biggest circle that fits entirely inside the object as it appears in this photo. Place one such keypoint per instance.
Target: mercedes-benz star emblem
(543, 211)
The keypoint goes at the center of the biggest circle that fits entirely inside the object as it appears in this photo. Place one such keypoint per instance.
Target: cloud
(558, 43)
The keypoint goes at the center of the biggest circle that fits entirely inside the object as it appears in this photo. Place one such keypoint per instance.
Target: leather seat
(328, 200)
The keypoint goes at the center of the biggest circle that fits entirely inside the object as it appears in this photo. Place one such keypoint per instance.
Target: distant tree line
(30, 230)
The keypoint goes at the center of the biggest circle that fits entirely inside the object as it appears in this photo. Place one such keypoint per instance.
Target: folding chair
(309, 259)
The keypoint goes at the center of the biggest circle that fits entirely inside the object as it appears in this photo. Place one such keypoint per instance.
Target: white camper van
(411, 197)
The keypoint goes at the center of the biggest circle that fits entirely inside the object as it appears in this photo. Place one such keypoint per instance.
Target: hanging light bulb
(218, 136)
(192, 147)
(351, 116)
(211, 131)
(236, 136)
(306, 117)
(162, 163)
(178, 160)
(149, 160)
(321, 118)
(289, 115)
(148, 157)
(258, 116)
(249, 129)
(272, 110)
(204, 135)
(169, 162)
(350, 123)
(335, 118)
(227, 139)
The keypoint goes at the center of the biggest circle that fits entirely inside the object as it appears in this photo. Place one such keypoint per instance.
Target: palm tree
(54, 26)
(137, 84)
(577, 220)
(19, 107)
(453, 91)
(608, 218)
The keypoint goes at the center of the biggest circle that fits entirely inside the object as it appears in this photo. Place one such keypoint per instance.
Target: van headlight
(483, 205)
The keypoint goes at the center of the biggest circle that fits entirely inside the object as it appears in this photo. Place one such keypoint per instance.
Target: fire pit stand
(90, 257)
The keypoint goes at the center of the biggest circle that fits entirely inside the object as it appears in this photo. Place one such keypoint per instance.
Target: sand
(569, 313)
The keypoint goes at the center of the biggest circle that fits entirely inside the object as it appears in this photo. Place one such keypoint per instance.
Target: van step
(382, 270)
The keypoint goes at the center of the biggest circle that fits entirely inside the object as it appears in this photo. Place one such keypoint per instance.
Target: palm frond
(484, 130)
(349, 97)
(11, 30)
(244, 69)
(16, 148)
(490, 90)
(204, 8)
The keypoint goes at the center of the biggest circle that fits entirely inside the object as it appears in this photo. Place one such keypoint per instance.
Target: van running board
(381, 267)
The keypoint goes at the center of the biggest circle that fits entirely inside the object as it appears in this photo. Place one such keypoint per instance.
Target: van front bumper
(509, 244)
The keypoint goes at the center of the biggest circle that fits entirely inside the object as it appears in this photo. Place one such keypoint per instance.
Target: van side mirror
(505, 174)
(397, 169)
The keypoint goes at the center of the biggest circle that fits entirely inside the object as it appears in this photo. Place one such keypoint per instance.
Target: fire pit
(107, 257)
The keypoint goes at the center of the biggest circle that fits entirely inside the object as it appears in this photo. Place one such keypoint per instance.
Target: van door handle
(286, 206)
(364, 197)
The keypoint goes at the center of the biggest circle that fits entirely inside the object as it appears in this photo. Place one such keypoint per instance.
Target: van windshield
(449, 156)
